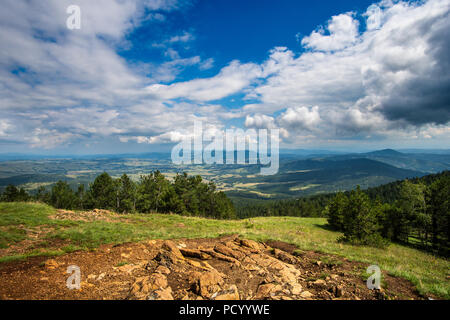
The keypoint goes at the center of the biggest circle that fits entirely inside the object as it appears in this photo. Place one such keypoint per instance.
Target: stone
(161, 294)
(192, 253)
(157, 281)
(223, 257)
(284, 256)
(172, 249)
(162, 270)
(51, 264)
(306, 294)
(339, 291)
(169, 254)
(101, 276)
(229, 252)
(251, 244)
(264, 291)
(206, 283)
(296, 288)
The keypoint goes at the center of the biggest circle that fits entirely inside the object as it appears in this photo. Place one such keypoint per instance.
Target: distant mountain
(385, 153)
(325, 175)
(424, 162)
(24, 156)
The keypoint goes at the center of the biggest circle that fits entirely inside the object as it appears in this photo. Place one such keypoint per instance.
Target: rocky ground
(227, 268)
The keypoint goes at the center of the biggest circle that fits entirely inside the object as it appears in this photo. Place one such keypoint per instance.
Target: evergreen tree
(103, 192)
(361, 220)
(336, 211)
(127, 194)
(62, 196)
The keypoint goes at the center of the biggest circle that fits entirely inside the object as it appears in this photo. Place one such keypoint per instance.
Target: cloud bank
(378, 75)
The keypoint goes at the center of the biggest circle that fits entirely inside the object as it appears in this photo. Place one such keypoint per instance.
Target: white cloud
(185, 37)
(388, 77)
(300, 118)
(260, 121)
(343, 32)
(231, 79)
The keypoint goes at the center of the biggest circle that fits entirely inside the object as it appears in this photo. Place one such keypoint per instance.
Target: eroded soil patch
(227, 268)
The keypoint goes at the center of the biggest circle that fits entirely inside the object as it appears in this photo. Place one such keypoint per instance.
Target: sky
(341, 75)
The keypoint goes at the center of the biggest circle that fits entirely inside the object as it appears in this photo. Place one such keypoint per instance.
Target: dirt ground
(227, 268)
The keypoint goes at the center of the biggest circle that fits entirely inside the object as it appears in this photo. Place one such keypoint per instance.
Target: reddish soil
(224, 268)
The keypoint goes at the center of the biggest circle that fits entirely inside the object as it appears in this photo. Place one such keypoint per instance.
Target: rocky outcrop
(218, 272)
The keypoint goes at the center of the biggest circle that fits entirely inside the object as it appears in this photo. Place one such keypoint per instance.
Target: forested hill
(389, 193)
(315, 205)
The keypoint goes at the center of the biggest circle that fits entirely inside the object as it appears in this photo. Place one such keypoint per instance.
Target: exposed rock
(162, 270)
(306, 294)
(222, 257)
(264, 291)
(192, 253)
(172, 249)
(296, 288)
(252, 245)
(207, 283)
(339, 291)
(284, 256)
(161, 294)
(153, 284)
(169, 254)
(220, 248)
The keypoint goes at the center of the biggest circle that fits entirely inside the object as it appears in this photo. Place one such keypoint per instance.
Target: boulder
(252, 245)
(206, 283)
(306, 294)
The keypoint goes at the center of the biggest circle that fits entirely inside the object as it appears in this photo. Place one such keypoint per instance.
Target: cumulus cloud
(259, 121)
(385, 76)
(231, 79)
(300, 118)
(394, 74)
(343, 32)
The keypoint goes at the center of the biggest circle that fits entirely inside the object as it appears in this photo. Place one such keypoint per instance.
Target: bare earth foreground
(227, 268)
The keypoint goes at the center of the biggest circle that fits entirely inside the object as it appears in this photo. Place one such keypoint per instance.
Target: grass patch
(22, 257)
(122, 263)
(10, 235)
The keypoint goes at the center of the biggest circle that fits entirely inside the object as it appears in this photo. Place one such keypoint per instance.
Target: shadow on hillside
(325, 227)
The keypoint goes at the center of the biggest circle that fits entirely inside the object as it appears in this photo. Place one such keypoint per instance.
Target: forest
(186, 195)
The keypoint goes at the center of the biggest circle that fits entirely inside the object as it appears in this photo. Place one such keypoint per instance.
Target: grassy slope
(426, 271)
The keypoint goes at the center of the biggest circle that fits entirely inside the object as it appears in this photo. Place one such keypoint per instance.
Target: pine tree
(62, 196)
(103, 193)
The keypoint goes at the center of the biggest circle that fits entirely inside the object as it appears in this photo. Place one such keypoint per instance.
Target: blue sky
(347, 75)
(231, 29)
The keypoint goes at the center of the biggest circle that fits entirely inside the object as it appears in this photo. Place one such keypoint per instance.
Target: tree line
(419, 215)
(312, 206)
(186, 195)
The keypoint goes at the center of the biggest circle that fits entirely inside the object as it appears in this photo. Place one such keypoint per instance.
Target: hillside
(32, 232)
(318, 176)
(418, 161)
